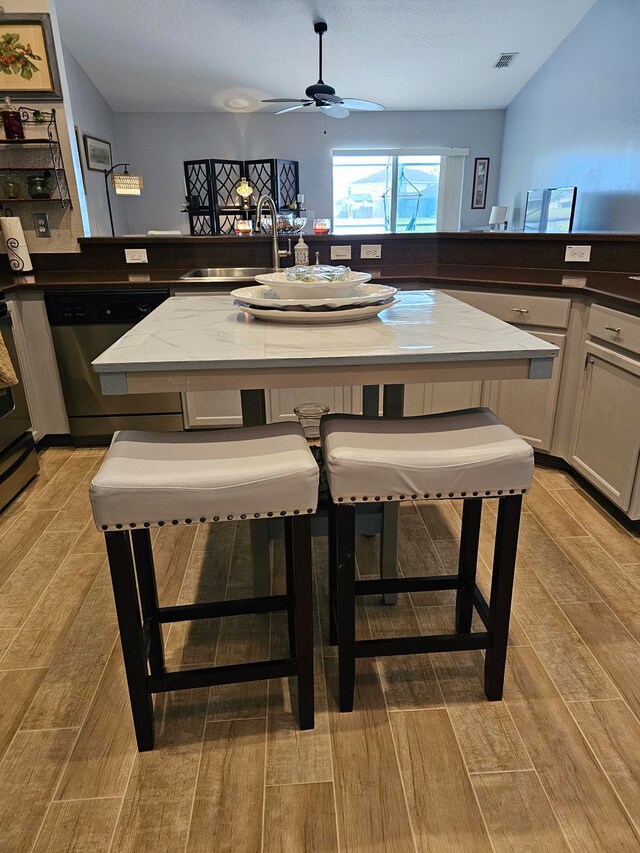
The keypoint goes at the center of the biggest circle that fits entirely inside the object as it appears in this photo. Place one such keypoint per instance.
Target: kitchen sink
(226, 273)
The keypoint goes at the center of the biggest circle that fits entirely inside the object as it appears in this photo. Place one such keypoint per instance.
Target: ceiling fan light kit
(323, 96)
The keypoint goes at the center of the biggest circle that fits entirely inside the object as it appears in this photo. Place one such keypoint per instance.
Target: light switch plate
(580, 254)
(136, 256)
(371, 250)
(41, 224)
(341, 253)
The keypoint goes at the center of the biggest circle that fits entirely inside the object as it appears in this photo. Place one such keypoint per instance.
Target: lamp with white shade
(498, 218)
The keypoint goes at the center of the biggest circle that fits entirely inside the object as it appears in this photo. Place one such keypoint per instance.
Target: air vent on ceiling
(505, 60)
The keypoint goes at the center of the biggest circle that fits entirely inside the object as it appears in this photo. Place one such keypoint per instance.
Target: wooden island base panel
(423, 763)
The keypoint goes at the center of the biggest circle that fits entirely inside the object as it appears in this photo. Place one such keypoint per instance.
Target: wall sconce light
(123, 183)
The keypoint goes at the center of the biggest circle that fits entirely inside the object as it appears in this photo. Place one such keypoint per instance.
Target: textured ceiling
(203, 55)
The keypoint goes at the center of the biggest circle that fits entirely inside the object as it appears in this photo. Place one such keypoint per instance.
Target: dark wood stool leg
(145, 572)
(467, 563)
(131, 636)
(346, 557)
(504, 564)
(301, 559)
(291, 586)
(333, 576)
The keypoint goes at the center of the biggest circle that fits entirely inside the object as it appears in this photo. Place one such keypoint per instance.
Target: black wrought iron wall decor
(212, 202)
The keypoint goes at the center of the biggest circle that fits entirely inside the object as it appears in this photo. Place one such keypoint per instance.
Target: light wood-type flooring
(423, 763)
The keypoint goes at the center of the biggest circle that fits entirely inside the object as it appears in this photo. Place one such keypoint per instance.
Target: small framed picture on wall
(97, 153)
(480, 183)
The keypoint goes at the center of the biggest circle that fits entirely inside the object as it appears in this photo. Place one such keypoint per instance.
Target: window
(394, 191)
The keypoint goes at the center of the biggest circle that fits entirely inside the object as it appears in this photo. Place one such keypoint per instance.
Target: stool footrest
(418, 645)
(186, 679)
(422, 584)
(212, 609)
(482, 606)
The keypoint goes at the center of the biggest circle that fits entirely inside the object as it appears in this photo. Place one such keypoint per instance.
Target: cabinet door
(606, 438)
(208, 409)
(433, 397)
(528, 406)
(281, 401)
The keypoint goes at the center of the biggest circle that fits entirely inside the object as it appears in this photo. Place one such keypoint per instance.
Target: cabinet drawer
(523, 309)
(620, 329)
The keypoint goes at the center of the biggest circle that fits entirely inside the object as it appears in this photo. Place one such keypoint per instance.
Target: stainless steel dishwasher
(83, 324)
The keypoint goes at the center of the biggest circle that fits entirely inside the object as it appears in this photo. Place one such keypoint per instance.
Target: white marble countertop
(209, 332)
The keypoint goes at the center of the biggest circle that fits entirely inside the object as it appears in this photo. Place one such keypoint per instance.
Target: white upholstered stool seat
(150, 479)
(470, 453)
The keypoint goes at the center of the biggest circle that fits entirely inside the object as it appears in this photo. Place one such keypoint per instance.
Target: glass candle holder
(309, 415)
(321, 226)
(243, 226)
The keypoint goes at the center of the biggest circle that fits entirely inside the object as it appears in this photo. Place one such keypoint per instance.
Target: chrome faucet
(276, 250)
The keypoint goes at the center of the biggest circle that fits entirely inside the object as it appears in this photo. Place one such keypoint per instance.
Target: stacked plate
(326, 302)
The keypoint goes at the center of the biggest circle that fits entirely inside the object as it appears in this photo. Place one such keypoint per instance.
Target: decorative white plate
(285, 289)
(263, 296)
(346, 315)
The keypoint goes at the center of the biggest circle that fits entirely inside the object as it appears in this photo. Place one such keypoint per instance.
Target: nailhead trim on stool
(355, 499)
(281, 513)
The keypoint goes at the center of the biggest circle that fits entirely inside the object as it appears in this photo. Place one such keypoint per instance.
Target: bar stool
(468, 455)
(152, 479)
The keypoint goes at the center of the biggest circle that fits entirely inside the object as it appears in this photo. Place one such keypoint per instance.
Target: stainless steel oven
(84, 323)
(18, 457)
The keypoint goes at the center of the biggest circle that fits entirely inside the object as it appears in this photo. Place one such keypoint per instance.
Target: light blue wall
(93, 115)
(577, 122)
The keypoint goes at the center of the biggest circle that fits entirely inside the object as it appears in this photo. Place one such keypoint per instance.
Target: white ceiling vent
(505, 60)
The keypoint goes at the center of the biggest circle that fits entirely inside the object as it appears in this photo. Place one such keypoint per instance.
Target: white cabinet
(281, 401)
(528, 406)
(606, 436)
(206, 410)
(432, 397)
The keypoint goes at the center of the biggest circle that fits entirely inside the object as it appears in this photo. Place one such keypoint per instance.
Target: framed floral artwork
(28, 66)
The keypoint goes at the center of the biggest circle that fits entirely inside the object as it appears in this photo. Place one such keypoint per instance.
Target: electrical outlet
(578, 253)
(136, 256)
(373, 250)
(41, 224)
(341, 253)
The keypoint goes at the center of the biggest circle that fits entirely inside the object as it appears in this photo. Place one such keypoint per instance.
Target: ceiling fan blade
(328, 99)
(285, 101)
(357, 104)
(335, 111)
(289, 109)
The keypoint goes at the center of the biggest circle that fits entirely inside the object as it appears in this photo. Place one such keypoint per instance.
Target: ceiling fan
(322, 96)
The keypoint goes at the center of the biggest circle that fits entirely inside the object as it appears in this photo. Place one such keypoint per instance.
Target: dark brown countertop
(612, 285)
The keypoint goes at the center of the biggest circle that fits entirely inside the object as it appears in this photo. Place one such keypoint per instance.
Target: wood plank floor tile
(552, 515)
(67, 690)
(440, 518)
(574, 670)
(43, 632)
(616, 586)
(90, 540)
(20, 537)
(171, 552)
(371, 808)
(443, 808)
(554, 478)
(17, 689)
(74, 473)
(156, 811)
(408, 681)
(518, 814)
(227, 810)
(587, 808)
(83, 826)
(7, 636)
(613, 647)
(543, 555)
(194, 643)
(613, 733)
(418, 556)
(75, 512)
(295, 756)
(102, 758)
(31, 577)
(300, 818)
(541, 617)
(620, 544)
(487, 735)
(242, 639)
(28, 775)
